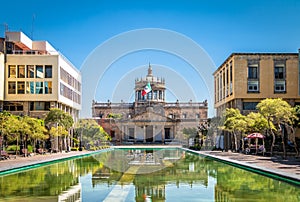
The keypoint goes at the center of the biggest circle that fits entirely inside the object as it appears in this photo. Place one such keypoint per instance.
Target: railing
(106, 104)
(122, 104)
(29, 52)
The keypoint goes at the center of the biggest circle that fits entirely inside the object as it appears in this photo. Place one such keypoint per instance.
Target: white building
(36, 78)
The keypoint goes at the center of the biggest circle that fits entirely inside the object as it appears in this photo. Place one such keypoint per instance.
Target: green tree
(57, 117)
(213, 130)
(4, 116)
(235, 123)
(37, 130)
(191, 133)
(90, 133)
(257, 123)
(278, 112)
(114, 116)
(17, 130)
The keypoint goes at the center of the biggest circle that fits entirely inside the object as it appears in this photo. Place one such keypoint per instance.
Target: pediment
(150, 116)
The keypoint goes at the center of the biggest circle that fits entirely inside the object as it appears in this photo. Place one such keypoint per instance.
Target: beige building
(1, 78)
(244, 79)
(149, 119)
(37, 77)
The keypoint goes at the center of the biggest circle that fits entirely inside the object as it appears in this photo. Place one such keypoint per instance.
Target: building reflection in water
(157, 175)
(154, 169)
(72, 194)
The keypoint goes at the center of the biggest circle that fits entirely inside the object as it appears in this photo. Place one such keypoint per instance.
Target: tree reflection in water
(162, 175)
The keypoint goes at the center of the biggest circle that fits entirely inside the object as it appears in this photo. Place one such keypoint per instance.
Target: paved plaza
(289, 167)
(18, 162)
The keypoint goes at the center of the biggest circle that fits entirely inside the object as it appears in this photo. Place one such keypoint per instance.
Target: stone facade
(149, 119)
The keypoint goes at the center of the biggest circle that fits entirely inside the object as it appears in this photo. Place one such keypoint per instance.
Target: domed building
(149, 119)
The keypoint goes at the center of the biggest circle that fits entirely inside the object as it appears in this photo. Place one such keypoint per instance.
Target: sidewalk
(289, 168)
(20, 162)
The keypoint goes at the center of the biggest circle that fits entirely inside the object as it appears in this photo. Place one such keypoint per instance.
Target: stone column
(153, 132)
(163, 134)
(134, 134)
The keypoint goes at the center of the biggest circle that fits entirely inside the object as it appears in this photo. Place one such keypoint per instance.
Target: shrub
(74, 148)
(30, 148)
(12, 148)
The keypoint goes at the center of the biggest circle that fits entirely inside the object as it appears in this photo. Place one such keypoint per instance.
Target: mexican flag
(147, 89)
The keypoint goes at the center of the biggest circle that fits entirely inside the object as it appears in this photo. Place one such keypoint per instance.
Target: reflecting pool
(143, 175)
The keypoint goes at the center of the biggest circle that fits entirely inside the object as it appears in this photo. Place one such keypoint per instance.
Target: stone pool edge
(21, 166)
(282, 176)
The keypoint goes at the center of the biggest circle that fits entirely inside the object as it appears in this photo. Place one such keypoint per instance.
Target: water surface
(143, 175)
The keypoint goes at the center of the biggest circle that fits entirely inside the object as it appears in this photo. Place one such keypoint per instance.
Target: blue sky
(219, 27)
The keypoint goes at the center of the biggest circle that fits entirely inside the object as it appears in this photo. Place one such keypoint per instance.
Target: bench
(4, 155)
(41, 151)
(25, 152)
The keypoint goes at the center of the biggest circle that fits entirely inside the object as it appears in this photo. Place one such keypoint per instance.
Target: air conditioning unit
(252, 87)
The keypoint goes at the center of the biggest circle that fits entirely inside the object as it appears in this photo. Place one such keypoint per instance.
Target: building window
(38, 87)
(131, 133)
(230, 83)
(279, 72)
(253, 86)
(30, 87)
(139, 95)
(160, 95)
(69, 79)
(21, 87)
(149, 96)
(30, 71)
(279, 79)
(69, 93)
(167, 133)
(249, 105)
(11, 87)
(170, 116)
(39, 71)
(12, 71)
(184, 116)
(48, 71)
(197, 116)
(279, 86)
(155, 95)
(21, 71)
(48, 87)
(13, 106)
(39, 106)
(252, 72)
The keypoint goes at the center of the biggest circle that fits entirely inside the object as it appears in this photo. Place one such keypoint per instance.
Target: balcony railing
(29, 52)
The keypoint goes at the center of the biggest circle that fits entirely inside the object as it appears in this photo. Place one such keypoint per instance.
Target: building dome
(157, 93)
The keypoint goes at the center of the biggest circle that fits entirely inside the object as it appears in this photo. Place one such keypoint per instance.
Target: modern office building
(35, 77)
(149, 119)
(244, 79)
